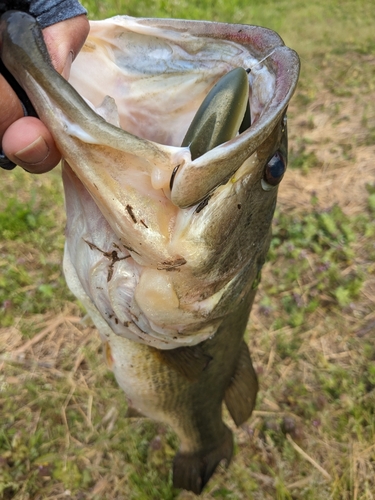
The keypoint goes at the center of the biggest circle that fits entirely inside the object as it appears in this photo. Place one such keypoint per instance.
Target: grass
(312, 329)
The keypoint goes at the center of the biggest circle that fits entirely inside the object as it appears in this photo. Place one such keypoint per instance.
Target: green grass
(62, 428)
(31, 244)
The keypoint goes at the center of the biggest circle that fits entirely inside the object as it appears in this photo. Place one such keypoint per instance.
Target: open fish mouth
(161, 243)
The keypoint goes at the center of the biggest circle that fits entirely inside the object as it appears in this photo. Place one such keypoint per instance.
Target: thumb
(64, 40)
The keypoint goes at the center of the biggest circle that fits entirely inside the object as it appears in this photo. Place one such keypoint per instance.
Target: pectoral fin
(220, 115)
(246, 122)
(224, 112)
(188, 361)
(240, 395)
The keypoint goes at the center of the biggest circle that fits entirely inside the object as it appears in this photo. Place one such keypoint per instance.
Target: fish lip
(262, 40)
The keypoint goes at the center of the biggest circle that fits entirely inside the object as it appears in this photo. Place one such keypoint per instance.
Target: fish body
(165, 243)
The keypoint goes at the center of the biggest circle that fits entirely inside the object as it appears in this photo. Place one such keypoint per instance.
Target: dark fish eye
(274, 171)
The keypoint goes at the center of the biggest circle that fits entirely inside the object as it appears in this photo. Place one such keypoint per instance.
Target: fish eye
(274, 171)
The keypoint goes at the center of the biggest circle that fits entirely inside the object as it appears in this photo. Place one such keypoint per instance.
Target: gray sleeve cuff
(49, 12)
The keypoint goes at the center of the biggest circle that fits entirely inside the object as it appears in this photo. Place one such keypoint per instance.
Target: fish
(173, 135)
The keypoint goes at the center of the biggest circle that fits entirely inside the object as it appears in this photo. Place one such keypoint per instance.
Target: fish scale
(164, 245)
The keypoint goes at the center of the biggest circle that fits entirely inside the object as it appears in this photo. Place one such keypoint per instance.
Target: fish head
(174, 140)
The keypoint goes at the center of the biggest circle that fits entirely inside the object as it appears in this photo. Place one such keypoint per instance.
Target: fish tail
(191, 471)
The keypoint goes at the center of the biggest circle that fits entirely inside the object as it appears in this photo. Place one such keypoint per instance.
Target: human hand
(26, 140)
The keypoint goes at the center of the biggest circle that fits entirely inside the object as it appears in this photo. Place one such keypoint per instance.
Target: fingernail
(66, 71)
(36, 152)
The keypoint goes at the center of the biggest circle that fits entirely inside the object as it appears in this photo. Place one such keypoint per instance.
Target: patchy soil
(312, 434)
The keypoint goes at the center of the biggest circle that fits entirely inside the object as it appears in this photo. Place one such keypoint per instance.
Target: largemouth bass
(174, 140)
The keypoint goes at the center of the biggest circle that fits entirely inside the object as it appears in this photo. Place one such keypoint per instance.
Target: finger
(64, 40)
(28, 143)
(10, 106)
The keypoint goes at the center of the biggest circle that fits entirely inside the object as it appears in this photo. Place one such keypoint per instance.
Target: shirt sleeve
(49, 12)
(46, 12)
